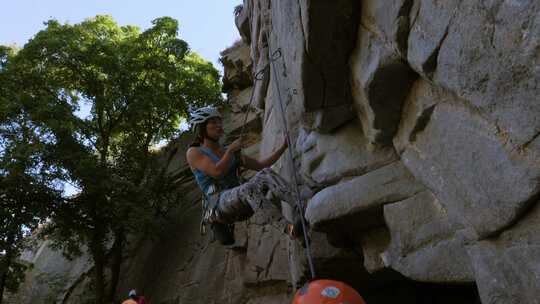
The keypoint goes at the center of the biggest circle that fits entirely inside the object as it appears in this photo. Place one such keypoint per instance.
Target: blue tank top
(227, 181)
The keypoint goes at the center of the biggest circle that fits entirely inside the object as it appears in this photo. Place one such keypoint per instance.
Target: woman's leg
(274, 186)
(264, 190)
(279, 188)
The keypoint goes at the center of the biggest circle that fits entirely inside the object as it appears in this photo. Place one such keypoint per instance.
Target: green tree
(27, 179)
(138, 86)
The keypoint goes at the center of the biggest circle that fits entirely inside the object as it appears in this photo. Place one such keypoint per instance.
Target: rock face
(425, 244)
(443, 158)
(414, 127)
(495, 66)
(507, 266)
(482, 185)
(52, 277)
(327, 158)
(238, 65)
(381, 77)
(360, 199)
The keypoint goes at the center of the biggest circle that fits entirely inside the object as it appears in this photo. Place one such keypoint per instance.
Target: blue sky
(207, 25)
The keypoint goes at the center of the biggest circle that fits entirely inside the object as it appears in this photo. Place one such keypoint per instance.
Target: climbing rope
(258, 76)
(299, 205)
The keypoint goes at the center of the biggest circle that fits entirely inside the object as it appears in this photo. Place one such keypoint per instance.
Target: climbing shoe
(295, 229)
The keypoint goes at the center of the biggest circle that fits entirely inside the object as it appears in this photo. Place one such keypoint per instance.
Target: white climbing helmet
(201, 115)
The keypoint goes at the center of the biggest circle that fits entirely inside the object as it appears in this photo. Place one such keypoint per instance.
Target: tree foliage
(137, 87)
(28, 191)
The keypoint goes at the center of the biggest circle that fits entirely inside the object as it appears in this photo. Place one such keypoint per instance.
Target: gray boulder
(357, 203)
(241, 19)
(327, 158)
(380, 84)
(428, 32)
(466, 164)
(390, 21)
(237, 65)
(490, 58)
(425, 245)
(374, 242)
(329, 30)
(507, 267)
(417, 111)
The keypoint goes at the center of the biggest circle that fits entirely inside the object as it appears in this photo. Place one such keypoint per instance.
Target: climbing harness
(222, 232)
(209, 202)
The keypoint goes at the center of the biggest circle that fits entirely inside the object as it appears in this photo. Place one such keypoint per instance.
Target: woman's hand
(255, 164)
(235, 145)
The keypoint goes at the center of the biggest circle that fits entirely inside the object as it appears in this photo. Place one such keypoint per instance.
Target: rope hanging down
(258, 76)
(299, 205)
(292, 169)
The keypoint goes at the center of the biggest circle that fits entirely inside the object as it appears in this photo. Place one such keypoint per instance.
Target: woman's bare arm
(255, 164)
(197, 159)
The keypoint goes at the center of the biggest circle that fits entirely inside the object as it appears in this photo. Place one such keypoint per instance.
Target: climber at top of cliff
(215, 168)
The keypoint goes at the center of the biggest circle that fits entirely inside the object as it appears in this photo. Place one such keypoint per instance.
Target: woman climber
(226, 200)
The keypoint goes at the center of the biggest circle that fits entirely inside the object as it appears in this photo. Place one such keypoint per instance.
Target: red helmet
(327, 292)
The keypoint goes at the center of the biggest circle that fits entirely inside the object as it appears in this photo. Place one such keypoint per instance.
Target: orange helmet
(327, 292)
